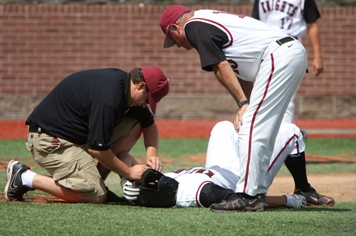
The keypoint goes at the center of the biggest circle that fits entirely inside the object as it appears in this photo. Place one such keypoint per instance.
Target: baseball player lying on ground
(216, 182)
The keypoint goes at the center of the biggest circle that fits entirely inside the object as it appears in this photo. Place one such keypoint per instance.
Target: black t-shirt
(86, 106)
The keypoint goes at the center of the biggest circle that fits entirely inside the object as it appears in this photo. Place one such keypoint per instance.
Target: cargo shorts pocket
(29, 144)
(73, 176)
(48, 144)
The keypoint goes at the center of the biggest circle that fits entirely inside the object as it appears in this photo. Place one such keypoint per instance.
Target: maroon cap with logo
(168, 18)
(157, 84)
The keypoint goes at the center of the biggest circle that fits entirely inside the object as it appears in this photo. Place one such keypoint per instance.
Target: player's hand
(295, 201)
(317, 66)
(131, 192)
(238, 118)
(154, 162)
(136, 172)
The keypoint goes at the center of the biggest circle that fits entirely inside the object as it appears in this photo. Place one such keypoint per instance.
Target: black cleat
(314, 198)
(14, 189)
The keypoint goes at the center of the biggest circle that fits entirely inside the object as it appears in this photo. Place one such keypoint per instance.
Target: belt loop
(39, 130)
(284, 40)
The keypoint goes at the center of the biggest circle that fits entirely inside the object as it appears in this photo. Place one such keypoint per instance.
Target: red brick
(52, 41)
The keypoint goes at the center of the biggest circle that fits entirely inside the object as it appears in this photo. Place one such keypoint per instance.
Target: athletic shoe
(239, 202)
(14, 189)
(314, 198)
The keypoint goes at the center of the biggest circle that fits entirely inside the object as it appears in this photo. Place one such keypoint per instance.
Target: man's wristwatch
(240, 104)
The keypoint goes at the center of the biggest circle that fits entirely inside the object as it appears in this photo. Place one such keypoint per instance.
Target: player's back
(285, 15)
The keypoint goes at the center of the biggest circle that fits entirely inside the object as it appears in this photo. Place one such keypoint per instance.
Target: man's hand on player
(154, 162)
(238, 118)
(136, 172)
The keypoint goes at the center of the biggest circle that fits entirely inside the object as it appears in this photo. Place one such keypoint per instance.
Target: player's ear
(141, 85)
(174, 27)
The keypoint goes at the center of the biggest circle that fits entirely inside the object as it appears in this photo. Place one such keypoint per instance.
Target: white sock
(27, 178)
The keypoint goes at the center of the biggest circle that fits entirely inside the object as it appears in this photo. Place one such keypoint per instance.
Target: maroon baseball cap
(168, 18)
(157, 84)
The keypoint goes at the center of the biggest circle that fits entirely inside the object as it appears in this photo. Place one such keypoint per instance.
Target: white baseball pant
(281, 72)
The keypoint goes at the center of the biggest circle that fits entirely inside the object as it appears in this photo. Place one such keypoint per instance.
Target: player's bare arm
(151, 136)
(108, 159)
(247, 87)
(227, 77)
(314, 36)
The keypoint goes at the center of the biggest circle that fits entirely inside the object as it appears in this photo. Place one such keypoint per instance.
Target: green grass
(103, 219)
(89, 219)
(331, 147)
(14, 148)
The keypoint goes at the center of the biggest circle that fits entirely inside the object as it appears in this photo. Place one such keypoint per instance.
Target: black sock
(112, 197)
(248, 196)
(212, 193)
(296, 166)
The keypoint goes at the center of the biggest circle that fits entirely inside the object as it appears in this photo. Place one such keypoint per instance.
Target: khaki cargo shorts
(71, 165)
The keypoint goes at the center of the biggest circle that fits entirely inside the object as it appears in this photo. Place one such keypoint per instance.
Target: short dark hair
(136, 75)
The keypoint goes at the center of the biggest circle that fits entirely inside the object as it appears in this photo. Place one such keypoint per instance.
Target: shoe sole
(8, 177)
(258, 208)
(327, 204)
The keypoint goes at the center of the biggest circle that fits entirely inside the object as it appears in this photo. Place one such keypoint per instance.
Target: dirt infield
(342, 187)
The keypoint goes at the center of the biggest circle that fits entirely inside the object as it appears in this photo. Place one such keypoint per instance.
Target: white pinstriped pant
(280, 74)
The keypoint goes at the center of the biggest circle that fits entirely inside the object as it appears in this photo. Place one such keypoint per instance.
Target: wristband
(240, 104)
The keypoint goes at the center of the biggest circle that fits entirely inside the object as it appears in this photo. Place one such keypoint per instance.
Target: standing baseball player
(294, 17)
(260, 66)
(98, 113)
(206, 186)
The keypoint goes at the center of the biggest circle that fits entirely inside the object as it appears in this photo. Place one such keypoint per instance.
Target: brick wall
(41, 44)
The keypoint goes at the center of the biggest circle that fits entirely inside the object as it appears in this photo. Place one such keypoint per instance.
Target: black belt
(35, 129)
(284, 40)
